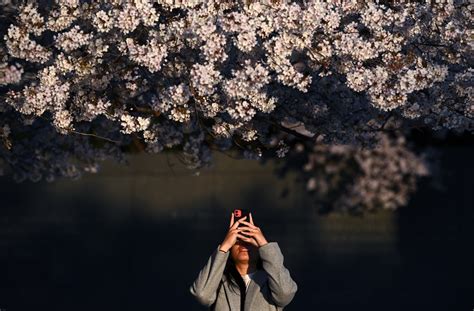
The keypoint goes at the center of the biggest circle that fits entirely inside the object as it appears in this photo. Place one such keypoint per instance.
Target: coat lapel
(233, 299)
(254, 287)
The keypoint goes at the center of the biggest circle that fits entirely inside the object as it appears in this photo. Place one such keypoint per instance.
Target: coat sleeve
(282, 286)
(205, 286)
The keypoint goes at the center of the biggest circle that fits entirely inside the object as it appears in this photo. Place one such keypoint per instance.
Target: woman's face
(243, 251)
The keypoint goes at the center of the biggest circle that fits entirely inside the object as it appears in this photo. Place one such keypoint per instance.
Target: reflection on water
(134, 238)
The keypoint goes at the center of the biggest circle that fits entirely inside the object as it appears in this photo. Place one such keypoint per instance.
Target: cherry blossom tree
(340, 83)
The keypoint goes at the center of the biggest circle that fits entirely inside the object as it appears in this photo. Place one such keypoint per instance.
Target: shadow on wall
(85, 250)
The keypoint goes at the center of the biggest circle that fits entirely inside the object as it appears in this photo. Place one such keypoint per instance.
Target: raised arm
(282, 286)
(205, 286)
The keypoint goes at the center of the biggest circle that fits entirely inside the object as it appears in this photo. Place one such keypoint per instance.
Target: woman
(245, 272)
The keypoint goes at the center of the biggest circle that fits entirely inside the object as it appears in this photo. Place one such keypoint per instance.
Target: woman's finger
(238, 222)
(231, 220)
(246, 239)
(241, 237)
(249, 224)
(251, 241)
(251, 219)
(247, 229)
(249, 234)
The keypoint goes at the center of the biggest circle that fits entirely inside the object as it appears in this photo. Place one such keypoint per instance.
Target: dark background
(135, 237)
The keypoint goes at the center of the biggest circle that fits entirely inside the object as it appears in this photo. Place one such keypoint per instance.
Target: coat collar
(254, 287)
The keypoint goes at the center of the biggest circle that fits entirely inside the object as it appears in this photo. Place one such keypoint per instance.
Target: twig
(94, 135)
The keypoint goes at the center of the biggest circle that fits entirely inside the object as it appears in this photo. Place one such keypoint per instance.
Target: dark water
(135, 238)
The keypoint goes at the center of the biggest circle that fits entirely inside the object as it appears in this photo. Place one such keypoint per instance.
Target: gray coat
(271, 289)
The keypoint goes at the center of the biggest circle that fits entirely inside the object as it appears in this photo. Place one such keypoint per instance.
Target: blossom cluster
(352, 179)
(199, 75)
(10, 74)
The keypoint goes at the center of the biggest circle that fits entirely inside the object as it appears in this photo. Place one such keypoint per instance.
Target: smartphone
(240, 213)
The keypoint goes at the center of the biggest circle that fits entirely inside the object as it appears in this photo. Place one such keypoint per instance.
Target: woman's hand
(232, 234)
(255, 235)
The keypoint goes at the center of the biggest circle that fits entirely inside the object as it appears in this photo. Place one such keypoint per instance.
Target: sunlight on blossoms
(83, 82)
